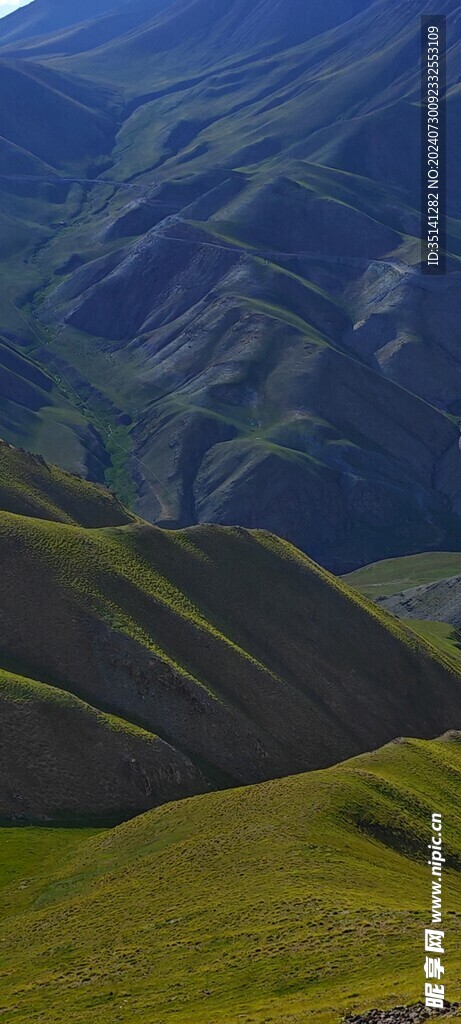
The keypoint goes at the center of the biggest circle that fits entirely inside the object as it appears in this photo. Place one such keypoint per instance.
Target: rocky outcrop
(402, 1014)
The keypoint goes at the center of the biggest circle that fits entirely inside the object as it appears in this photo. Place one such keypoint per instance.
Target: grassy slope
(298, 899)
(150, 626)
(444, 637)
(31, 487)
(174, 639)
(65, 761)
(394, 574)
(143, 627)
(62, 758)
(24, 849)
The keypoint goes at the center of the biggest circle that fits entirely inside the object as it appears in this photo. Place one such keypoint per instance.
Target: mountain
(229, 21)
(218, 273)
(149, 626)
(299, 899)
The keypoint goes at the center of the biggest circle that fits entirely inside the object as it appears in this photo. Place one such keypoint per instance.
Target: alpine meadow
(230, 514)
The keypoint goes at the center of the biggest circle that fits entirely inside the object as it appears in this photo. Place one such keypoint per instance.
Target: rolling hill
(177, 633)
(31, 487)
(219, 272)
(63, 761)
(299, 899)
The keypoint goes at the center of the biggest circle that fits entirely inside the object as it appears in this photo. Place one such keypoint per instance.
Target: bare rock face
(436, 602)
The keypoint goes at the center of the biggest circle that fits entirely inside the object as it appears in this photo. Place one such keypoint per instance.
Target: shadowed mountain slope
(49, 116)
(242, 900)
(45, 16)
(62, 760)
(180, 632)
(227, 269)
(229, 22)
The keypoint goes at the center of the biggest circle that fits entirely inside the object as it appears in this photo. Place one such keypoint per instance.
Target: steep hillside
(62, 760)
(46, 16)
(300, 899)
(69, 27)
(226, 267)
(179, 632)
(50, 117)
(48, 123)
(29, 486)
(229, 23)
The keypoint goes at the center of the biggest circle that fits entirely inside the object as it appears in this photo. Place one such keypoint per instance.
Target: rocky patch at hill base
(402, 1014)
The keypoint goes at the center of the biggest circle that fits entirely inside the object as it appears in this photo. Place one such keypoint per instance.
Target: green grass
(445, 638)
(31, 487)
(382, 579)
(27, 851)
(245, 905)
(304, 898)
(180, 654)
(118, 572)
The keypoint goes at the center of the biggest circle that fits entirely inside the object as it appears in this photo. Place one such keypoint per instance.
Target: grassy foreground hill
(297, 900)
(235, 655)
